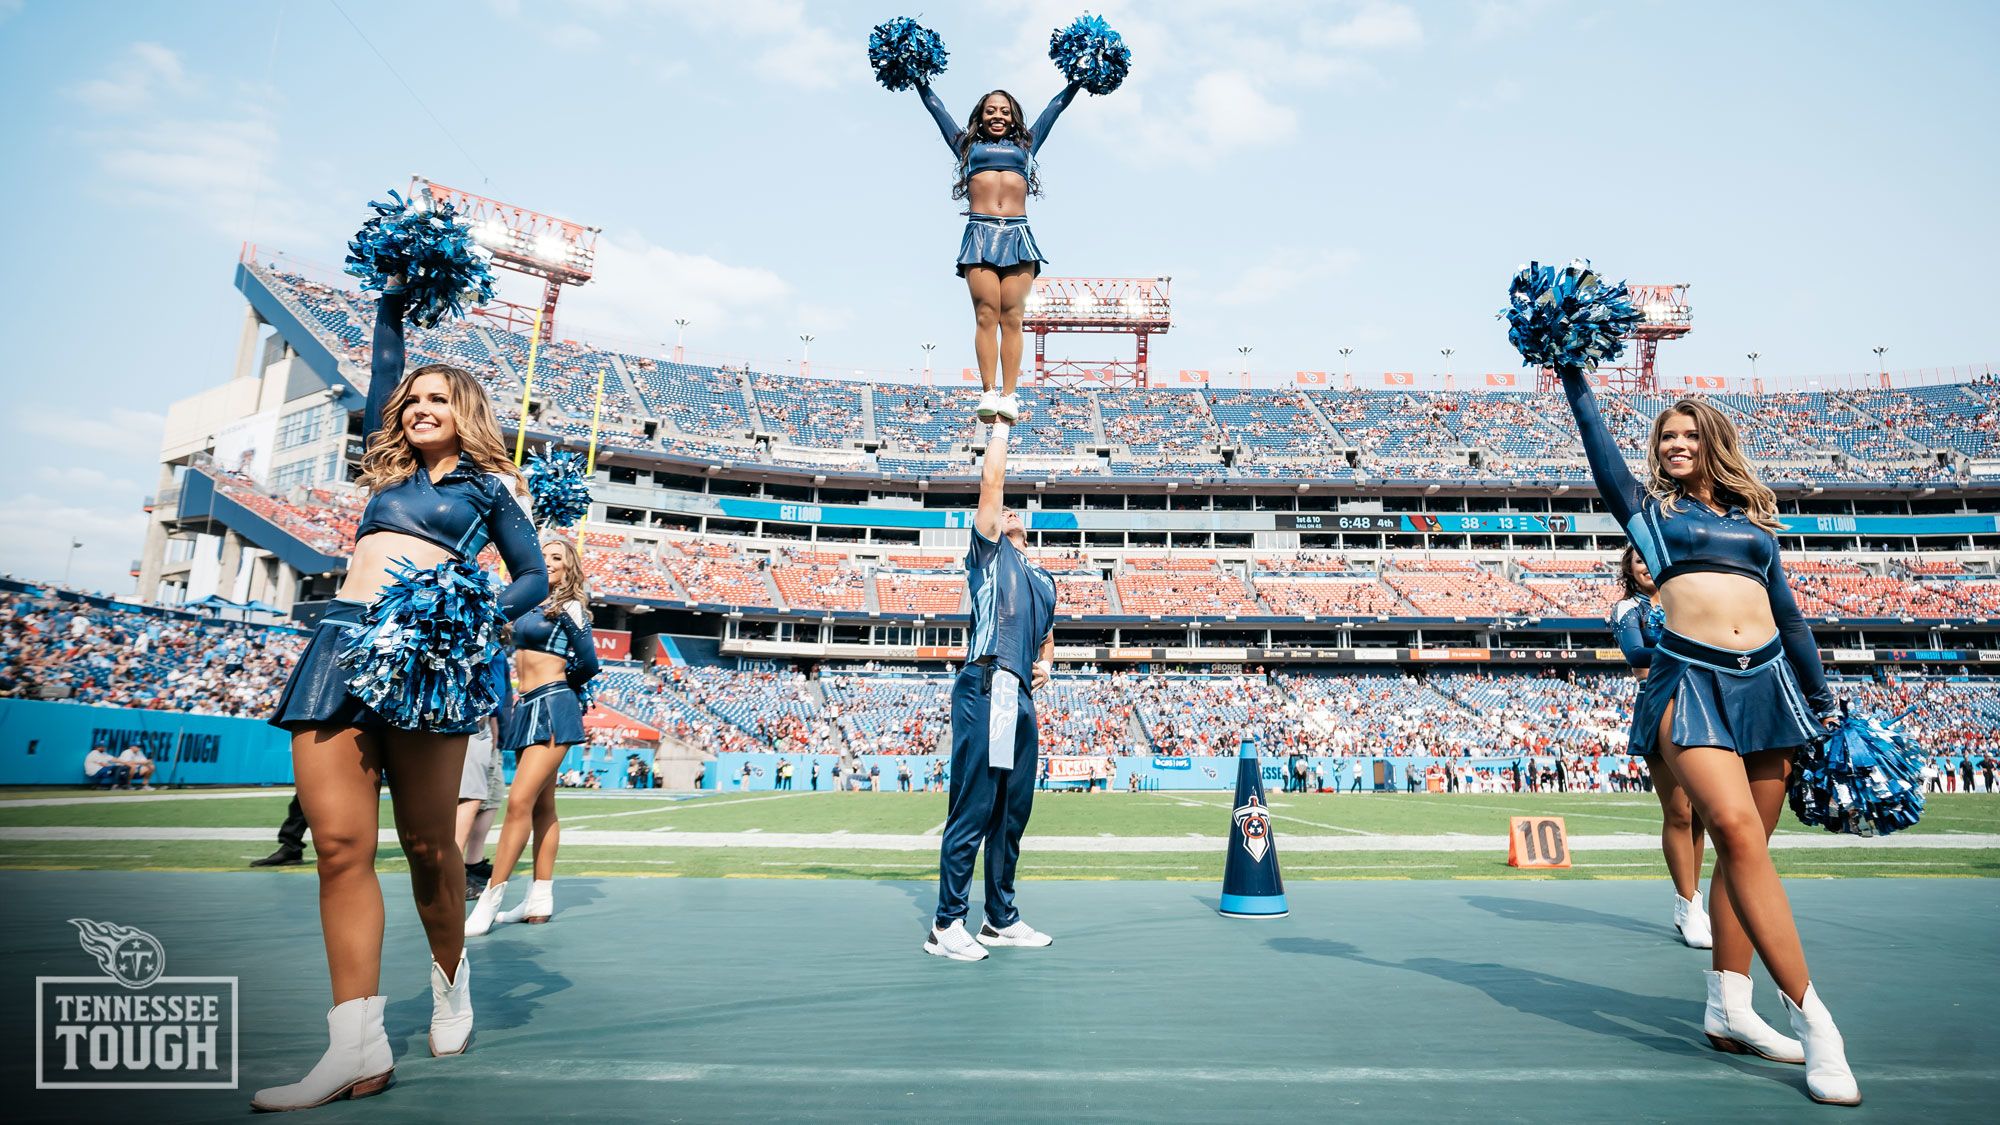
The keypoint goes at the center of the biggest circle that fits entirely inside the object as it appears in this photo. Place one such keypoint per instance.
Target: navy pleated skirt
(1742, 700)
(550, 713)
(998, 241)
(317, 695)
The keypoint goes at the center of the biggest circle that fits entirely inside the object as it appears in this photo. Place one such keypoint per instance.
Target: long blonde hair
(390, 459)
(573, 587)
(1721, 459)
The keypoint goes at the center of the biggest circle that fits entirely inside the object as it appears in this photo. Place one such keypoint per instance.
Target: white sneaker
(451, 1009)
(953, 942)
(357, 1061)
(538, 907)
(1691, 922)
(485, 913)
(989, 405)
(1020, 933)
(1007, 408)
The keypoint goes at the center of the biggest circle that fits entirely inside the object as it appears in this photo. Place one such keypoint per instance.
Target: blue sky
(1312, 175)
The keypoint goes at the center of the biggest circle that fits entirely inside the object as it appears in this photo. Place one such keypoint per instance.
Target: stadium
(1394, 590)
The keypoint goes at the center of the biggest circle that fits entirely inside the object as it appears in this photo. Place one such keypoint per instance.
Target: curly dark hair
(1018, 133)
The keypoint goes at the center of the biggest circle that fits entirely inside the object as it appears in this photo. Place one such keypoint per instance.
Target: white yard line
(870, 841)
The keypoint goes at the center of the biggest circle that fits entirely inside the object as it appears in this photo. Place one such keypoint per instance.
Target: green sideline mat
(784, 1000)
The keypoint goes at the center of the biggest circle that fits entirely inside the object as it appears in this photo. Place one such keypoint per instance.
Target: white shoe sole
(359, 1088)
(936, 950)
(996, 942)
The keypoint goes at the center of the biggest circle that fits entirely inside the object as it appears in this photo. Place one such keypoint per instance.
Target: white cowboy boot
(538, 907)
(1828, 1080)
(451, 1009)
(357, 1061)
(1691, 922)
(483, 916)
(1732, 1024)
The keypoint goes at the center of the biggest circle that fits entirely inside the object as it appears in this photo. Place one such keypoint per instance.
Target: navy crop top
(1637, 624)
(462, 511)
(997, 156)
(1689, 536)
(563, 636)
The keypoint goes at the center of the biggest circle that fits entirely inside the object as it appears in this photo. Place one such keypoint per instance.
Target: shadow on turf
(1660, 1023)
(1532, 910)
(508, 980)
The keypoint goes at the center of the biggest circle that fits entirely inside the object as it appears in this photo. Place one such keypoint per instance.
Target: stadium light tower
(1665, 315)
(1097, 305)
(556, 251)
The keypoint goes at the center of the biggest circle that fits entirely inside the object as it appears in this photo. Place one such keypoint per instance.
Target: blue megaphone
(1251, 885)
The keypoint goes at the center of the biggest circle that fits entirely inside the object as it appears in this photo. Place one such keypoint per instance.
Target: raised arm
(1047, 120)
(385, 361)
(1801, 650)
(521, 549)
(941, 115)
(1615, 482)
(1627, 625)
(992, 483)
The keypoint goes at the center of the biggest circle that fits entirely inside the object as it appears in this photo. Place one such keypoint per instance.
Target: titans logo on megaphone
(1254, 821)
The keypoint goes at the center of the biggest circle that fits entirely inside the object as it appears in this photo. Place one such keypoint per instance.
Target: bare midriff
(368, 569)
(999, 193)
(1724, 610)
(537, 669)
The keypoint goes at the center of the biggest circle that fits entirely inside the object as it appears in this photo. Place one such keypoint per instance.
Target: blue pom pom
(1568, 317)
(431, 249)
(905, 53)
(419, 659)
(558, 488)
(1862, 780)
(1089, 53)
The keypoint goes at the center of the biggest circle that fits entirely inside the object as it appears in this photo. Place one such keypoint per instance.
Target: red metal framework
(1138, 306)
(556, 251)
(1667, 316)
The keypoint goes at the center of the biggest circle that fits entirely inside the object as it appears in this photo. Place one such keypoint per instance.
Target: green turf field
(1073, 836)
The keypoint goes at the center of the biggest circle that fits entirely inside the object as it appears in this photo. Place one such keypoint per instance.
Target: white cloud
(1375, 27)
(163, 145)
(1280, 275)
(788, 46)
(117, 430)
(1494, 18)
(84, 478)
(642, 288)
(573, 37)
(40, 529)
(1504, 92)
(148, 72)
(1226, 111)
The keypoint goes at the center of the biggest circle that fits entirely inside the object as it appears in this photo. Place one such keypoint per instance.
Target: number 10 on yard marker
(1537, 841)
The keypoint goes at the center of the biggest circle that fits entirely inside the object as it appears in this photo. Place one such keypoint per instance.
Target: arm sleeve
(941, 115)
(385, 364)
(1047, 120)
(1615, 482)
(1626, 627)
(1801, 650)
(583, 663)
(520, 548)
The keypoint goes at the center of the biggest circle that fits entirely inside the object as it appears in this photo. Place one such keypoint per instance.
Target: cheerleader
(442, 487)
(554, 659)
(1637, 622)
(1734, 691)
(1010, 652)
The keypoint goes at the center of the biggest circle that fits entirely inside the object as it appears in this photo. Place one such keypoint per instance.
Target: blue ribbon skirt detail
(548, 713)
(317, 695)
(1000, 242)
(1742, 700)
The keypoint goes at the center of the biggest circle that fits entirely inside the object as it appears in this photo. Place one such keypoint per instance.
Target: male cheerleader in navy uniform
(1010, 649)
